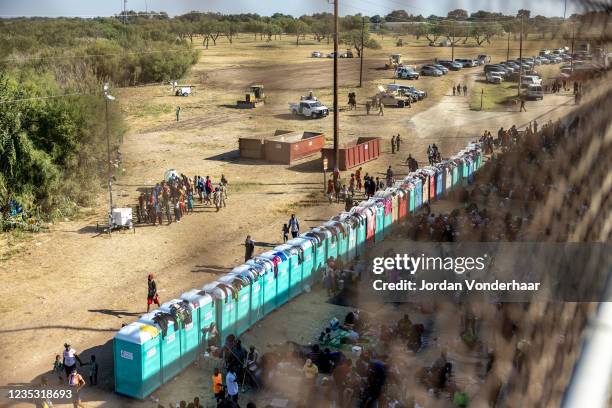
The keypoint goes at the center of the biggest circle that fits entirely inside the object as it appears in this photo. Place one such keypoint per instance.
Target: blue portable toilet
(350, 225)
(295, 269)
(203, 308)
(267, 279)
(319, 241)
(242, 290)
(250, 275)
(190, 339)
(170, 343)
(306, 253)
(137, 360)
(340, 234)
(418, 192)
(331, 244)
(225, 300)
(281, 274)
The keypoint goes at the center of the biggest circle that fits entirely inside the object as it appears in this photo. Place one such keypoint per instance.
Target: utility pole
(520, 58)
(108, 97)
(361, 52)
(508, 52)
(336, 119)
(453, 43)
(124, 11)
(572, 54)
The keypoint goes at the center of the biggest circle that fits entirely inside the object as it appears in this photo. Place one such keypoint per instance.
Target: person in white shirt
(232, 385)
(70, 359)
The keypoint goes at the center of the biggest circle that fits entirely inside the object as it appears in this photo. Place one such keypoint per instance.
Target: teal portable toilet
(253, 274)
(360, 232)
(267, 281)
(319, 241)
(295, 268)
(340, 233)
(331, 244)
(350, 226)
(225, 300)
(170, 343)
(456, 171)
(204, 309)
(137, 360)
(242, 290)
(187, 320)
(384, 198)
(306, 257)
(281, 275)
(418, 192)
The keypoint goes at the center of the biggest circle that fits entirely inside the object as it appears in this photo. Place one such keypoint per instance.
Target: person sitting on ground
(311, 371)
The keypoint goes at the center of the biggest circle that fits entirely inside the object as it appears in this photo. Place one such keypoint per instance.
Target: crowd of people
(175, 197)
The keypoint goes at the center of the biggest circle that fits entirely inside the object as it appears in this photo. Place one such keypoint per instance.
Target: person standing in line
(231, 384)
(393, 144)
(249, 248)
(459, 89)
(397, 142)
(178, 113)
(294, 226)
(152, 296)
(217, 387)
(464, 90)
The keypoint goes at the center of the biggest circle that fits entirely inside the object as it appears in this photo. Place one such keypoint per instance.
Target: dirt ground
(72, 284)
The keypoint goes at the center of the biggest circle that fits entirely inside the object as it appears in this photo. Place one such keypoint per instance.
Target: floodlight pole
(107, 97)
(520, 58)
(361, 52)
(336, 119)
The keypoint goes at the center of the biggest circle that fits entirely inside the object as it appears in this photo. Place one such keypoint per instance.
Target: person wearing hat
(152, 292)
(70, 359)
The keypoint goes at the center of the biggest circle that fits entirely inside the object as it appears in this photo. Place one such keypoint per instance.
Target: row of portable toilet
(151, 351)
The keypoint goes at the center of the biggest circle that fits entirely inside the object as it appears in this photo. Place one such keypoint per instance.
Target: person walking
(464, 90)
(231, 384)
(152, 296)
(294, 226)
(178, 113)
(454, 90)
(76, 381)
(393, 144)
(368, 106)
(522, 108)
(381, 110)
(249, 248)
(397, 142)
(459, 89)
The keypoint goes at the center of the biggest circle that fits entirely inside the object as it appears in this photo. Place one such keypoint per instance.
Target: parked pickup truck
(311, 108)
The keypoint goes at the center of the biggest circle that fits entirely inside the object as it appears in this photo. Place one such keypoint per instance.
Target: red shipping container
(353, 153)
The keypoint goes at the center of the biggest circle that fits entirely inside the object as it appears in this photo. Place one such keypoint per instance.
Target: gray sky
(91, 8)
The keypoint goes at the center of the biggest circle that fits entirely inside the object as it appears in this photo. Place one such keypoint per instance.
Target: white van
(534, 92)
(530, 80)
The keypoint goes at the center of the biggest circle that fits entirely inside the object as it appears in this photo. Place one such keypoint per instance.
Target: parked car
(465, 62)
(406, 73)
(494, 78)
(429, 70)
(534, 92)
(441, 68)
(452, 65)
(393, 99)
(530, 80)
(316, 54)
(497, 68)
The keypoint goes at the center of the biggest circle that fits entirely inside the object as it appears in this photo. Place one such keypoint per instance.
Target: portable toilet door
(203, 307)
(332, 243)
(340, 232)
(295, 269)
(370, 222)
(360, 228)
(306, 254)
(137, 360)
(432, 184)
(456, 171)
(242, 288)
(448, 178)
(395, 200)
(225, 308)
(268, 282)
(254, 274)
(439, 181)
(281, 274)
(319, 241)
(170, 343)
(379, 209)
(190, 341)
(350, 226)
(425, 188)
